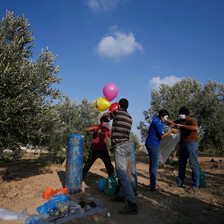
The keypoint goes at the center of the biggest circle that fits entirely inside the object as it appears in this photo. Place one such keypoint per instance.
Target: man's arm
(173, 130)
(106, 114)
(171, 123)
(161, 133)
(92, 128)
(110, 114)
(191, 125)
(188, 127)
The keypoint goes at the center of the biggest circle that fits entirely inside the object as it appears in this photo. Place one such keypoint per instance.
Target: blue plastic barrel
(132, 173)
(74, 163)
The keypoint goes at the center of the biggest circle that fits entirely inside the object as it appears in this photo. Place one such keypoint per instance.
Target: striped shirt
(121, 127)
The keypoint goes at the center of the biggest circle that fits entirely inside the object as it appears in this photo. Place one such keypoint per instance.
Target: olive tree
(75, 118)
(205, 103)
(26, 91)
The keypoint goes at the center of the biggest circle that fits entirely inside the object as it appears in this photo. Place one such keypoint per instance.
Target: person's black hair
(184, 110)
(163, 112)
(103, 118)
(123, 103)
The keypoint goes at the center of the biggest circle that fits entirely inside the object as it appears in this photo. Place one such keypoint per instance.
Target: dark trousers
(93, 155)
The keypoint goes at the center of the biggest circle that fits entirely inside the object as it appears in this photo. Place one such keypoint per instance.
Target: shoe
(118, 198)
(129, 209)
(192, 190)
(180, 186)
(156, 188)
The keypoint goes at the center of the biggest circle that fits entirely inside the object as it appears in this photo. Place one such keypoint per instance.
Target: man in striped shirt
(121, 127)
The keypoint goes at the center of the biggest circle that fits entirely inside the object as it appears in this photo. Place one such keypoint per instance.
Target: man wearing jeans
(188, 148)
(121, 127)
(155, 134)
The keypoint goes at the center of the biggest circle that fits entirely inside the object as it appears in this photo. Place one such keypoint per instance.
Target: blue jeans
(121, 153)
(154, 163)
(188, 150)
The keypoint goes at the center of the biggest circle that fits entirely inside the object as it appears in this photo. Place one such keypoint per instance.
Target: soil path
(21, 186)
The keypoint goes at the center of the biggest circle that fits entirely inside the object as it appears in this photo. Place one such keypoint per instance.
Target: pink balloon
(110, 91)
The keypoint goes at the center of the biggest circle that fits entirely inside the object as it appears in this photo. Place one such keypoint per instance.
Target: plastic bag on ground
(52, 203)
(81, 212)
(36, 219)
(8, 215)
(49, 192)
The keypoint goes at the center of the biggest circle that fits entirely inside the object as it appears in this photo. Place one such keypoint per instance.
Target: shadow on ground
(14, 171)
(171, 205)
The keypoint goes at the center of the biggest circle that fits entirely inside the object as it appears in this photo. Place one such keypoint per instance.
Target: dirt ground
(22, 185)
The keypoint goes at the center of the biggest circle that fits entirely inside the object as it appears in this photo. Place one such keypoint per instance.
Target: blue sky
(136, 44)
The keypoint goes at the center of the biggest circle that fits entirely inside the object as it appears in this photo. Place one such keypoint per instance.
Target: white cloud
(101, 5)
(118, 44)
(155, 82)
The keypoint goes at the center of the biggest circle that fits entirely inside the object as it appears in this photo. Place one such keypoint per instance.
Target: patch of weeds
(40, 191)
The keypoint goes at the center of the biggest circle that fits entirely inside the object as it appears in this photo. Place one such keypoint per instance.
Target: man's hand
(179, 125)
(188, 127)
(174, 130)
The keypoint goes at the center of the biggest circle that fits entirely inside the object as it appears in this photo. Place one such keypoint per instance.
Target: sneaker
(118, 198)
(192, 190)
(156, 188)
(129, 209)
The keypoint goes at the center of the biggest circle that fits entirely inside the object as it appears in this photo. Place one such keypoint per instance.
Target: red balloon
(113, 107)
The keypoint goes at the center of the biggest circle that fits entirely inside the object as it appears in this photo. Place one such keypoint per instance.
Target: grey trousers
(122, 152)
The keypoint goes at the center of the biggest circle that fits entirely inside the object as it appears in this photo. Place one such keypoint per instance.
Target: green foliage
(25, 87)
(205, 104)
(75, 118)
(210, 112)
(135, 139)
(27, 115)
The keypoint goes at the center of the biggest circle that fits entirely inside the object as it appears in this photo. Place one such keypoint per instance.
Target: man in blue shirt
(155, 134)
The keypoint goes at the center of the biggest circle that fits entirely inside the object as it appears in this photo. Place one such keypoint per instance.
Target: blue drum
(74, 163)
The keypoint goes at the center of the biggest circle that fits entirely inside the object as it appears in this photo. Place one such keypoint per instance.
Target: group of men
(188, 146)
(122, 147)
